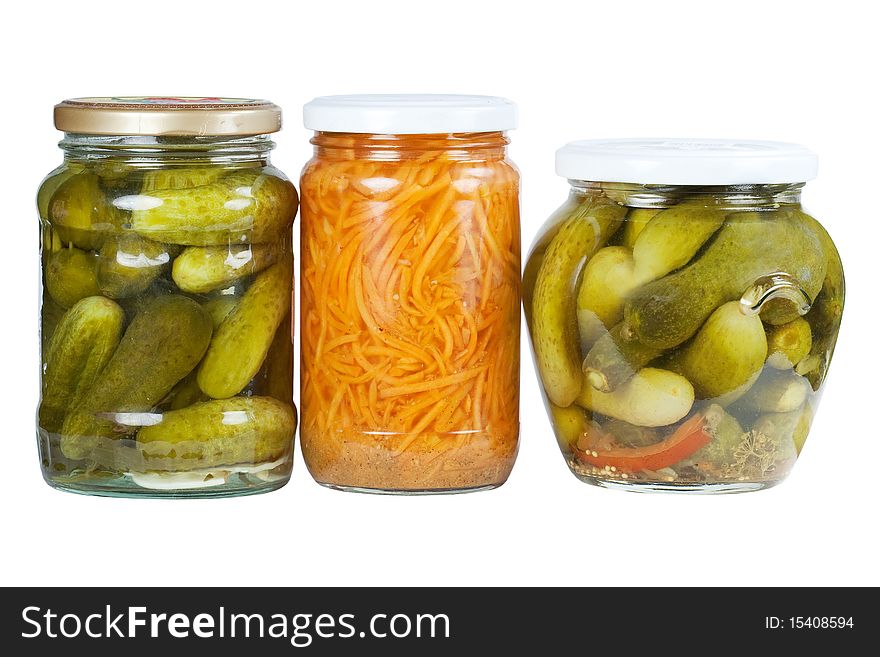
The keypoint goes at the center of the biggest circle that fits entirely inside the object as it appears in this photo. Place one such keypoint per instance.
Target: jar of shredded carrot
(410, 294)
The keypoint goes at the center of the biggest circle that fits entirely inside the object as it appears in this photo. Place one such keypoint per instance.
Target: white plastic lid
(686, 161)
(409, 114)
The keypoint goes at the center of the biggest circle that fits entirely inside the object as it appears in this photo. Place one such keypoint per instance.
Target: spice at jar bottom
(410, 311)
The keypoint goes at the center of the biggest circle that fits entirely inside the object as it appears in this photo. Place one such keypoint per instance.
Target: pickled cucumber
(788, 344)
(180, 178)
(607, 279)
(241, 342)
(51, 183)
(802, 428)
(781, 434)
(163, 343)
(275, 378)
(635, 223)
(827, 310)
(776, 392)
(726, 355)
(219, 432)
(116, 175)
(539, 248)
(71, 275)
(554, 318)
(81, 213)
(220, 307)
(615, 358)
(200, 269)
(630, 435)
(672, 238)
(651, 398)
(666, 312)
(727, 436)
(51, 314)
(569, 424)
(52, 242)
(129, 264)
(242, 207)
(185, 393)
(828, 306)
(81, 346)
(137, 303)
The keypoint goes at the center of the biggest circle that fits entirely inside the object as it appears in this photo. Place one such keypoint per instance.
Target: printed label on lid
(167, 101)
(695, 145)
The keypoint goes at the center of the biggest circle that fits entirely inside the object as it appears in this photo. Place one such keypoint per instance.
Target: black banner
(325, 621)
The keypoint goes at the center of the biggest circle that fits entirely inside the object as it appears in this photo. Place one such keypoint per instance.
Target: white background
(796, 71)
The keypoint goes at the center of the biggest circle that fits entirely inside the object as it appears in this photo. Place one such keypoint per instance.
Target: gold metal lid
(171, 115)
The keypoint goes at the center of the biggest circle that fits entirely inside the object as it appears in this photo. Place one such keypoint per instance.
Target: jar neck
(483, 146)
(762, 196)
(152, 151)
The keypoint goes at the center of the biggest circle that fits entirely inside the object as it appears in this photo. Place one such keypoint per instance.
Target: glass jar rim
(659, 196)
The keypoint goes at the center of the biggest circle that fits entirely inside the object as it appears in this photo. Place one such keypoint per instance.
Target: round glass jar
(167, 356)
(410, 278)
(683, 309)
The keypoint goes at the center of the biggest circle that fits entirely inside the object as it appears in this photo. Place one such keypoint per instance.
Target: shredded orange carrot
(410, 312)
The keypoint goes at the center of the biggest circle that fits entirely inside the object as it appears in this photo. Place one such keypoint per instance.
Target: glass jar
(410, 282)
(166, 300)
(683, 309)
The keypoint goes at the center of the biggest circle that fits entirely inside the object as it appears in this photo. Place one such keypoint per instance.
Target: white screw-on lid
(686, 161)
(409, 114)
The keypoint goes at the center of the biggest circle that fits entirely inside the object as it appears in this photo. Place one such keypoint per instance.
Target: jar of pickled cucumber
(410, 294)
(683, 309)
(166, 360)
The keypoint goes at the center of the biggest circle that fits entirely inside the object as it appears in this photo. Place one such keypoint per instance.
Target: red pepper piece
(684, 441)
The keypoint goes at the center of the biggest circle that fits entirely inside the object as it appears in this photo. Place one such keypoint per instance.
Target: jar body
(165, 318)
(410, 312)
(682, 334)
